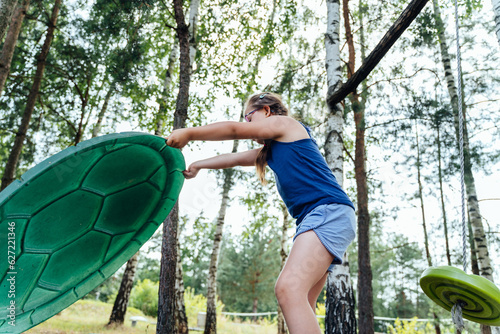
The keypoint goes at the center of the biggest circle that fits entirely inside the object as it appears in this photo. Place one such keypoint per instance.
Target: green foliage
(248, 271)
(148, 268)
(410, 327)
(196, 248)
(423, 29)
(144, 296)
(321, 310)
(196, 303)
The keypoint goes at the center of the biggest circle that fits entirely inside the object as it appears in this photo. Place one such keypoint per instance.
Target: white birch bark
(496, 11)
(481, 246)
(332, 40)
(340, 307)
(484, 261)
(6, 9)
(181, 321)
(193, 26)
(117, 316)
(211, 317)
(100, 117)
(167, 86)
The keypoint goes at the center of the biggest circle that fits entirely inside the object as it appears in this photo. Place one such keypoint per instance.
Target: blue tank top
(303, 178)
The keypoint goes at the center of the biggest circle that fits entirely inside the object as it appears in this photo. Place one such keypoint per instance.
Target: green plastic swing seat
(447, 285)
(77, 217)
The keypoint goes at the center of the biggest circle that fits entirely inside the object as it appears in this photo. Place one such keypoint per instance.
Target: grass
(90, 316)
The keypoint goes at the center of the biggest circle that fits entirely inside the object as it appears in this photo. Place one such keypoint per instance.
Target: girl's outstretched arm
(222, 161)
(269, 128)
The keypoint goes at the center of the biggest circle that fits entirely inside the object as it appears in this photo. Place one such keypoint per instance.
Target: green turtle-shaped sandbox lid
(77, 217)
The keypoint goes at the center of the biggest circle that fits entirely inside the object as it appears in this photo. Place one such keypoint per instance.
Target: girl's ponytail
(277, 108)
(261, 161)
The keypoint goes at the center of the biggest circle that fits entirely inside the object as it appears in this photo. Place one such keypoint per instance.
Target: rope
(456, 316)
(461, 140)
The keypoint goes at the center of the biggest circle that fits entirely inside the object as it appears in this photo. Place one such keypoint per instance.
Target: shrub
(144, 296)
(410, 327)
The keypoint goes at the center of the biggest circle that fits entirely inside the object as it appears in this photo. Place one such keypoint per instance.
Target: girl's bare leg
(315, 291)
(305, 268)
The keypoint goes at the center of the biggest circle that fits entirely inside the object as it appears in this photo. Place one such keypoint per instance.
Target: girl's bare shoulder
(294, 129)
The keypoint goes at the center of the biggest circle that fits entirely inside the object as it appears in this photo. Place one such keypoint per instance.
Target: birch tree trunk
(283, 254)
(6, 9)
(12, 162)
(421, 198)
(485, 267)
(181, 321)
(98, 125)
(211, 318)
(167, 313)
(441, 192)
(193, 26)
(424, 224)
(121, 302)
(496, 11)
(340, 303)
(167, 86)
(11, 41)
(481, 245)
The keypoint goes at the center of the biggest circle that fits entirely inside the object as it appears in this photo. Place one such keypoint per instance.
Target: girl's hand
(178, 138)
(192, 171)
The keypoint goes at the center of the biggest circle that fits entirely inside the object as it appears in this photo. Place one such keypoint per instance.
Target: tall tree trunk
(421, 198)
(6, 9)
(84, 97)
(484, 261)
(441, 192)
(168, 266)
(98, 125)
(283, 254)
(496, 11)
(11, 41)
(12, 162)
(340, 303)
(193, 27)
(365, 291)
(211, 318)
(424, 224)
(166, 322)
(181, 321)
(182, 102)
(167, 86)
(481, 245)
(473, 251)
(120, 306)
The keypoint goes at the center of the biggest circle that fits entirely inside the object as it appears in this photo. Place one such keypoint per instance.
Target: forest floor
(87, 316)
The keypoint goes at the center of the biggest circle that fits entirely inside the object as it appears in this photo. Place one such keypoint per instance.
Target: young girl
(324, 213)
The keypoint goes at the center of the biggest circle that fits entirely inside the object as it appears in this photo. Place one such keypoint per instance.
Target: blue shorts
(335, 226)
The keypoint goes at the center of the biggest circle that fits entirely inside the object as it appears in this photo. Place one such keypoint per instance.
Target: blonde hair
(275, 103)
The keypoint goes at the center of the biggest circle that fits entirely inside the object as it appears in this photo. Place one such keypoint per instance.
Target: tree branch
(384, 45)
